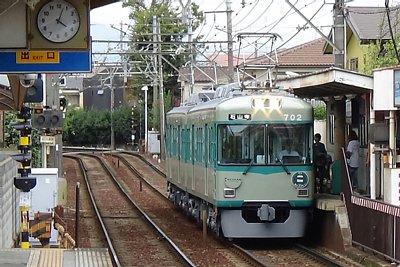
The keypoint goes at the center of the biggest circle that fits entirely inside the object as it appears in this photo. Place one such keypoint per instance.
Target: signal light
(47, 119)
(63, 103)
(24, 184)
(23, 126)
(34, 94)
(24, 159)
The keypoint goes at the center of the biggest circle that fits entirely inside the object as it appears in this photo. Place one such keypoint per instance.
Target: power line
(391, 31)
(254, 6)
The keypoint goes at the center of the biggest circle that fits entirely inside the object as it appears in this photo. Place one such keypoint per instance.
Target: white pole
(372, 171)
(392, 139)
(145, 88)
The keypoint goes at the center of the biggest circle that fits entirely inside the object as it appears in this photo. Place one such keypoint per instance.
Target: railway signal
(63, 104)
(24, 183)
(44, 119)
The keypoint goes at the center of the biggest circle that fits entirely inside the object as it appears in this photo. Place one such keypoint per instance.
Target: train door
(205, 157)
(185, 155)
(178, 152)
(193, 154)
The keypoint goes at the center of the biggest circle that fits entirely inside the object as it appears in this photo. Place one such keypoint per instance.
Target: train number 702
(292, 117)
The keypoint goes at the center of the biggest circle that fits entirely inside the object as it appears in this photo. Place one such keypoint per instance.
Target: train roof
(236, 97)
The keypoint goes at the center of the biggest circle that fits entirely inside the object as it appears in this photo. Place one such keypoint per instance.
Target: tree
(93, 127)
(320, 112)
(381, 54)
(173, 29)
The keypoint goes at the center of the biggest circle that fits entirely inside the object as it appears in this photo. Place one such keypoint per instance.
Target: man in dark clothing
(319, 161)
(318, 147)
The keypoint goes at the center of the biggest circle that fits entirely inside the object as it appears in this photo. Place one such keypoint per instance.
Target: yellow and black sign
(37, 57)
(40, 226)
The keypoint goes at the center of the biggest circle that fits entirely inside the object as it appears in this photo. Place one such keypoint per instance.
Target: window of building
(354, 64)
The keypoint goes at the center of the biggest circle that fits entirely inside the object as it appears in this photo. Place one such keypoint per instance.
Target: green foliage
(173, 29)
(319, 112)
(36, 148)
(382, 54)
(93, 127)
(11, 136)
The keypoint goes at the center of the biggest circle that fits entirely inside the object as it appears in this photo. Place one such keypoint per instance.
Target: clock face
(58, 21)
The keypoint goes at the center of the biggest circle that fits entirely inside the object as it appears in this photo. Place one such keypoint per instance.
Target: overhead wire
(251, 10)
(252, 23)
(391, 31)
(300, 28)
(276, 22)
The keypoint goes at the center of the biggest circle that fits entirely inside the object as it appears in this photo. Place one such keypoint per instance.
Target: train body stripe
(239, 203)
(263, 169)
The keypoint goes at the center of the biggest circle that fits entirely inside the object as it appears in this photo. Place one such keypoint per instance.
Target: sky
(247, 16)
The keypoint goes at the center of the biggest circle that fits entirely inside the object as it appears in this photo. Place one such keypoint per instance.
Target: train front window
(261, 144)
(289, 143)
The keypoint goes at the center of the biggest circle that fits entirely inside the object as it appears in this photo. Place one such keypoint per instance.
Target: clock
(58, 21)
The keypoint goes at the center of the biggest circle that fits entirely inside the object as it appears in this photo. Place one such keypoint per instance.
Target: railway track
(121, 226)
(292, 254)
(220, 253)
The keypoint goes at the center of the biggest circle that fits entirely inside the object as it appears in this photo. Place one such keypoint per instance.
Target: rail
(113, 254)
(164, 236)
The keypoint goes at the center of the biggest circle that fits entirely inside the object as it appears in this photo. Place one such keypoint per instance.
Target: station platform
(328, 202)
(39, 257)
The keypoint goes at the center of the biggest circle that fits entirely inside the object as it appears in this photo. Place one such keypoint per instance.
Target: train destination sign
(37, 57)
(234, 116)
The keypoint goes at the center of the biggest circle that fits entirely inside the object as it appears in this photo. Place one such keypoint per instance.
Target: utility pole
(338, 33)
(155, 67)
(112, 143)
(161, 89)
(189, 20)
(55, 159)
(230, 40)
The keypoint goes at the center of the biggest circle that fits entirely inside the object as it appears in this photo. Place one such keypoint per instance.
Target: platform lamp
(145, 89)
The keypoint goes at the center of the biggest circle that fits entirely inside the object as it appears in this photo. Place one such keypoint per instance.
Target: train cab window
(264, 144)
(289, 143)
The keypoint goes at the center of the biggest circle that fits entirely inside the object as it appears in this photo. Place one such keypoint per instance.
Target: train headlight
(268, 103)
(300, 180)
(229, 192)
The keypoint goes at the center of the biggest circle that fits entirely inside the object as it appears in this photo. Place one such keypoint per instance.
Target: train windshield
(262, 144)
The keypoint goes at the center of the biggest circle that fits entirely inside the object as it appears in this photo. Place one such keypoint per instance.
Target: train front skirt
(234, 226)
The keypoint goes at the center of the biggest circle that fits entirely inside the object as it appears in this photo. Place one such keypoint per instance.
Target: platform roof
(100, 3)
(328, 83)
(5, 4)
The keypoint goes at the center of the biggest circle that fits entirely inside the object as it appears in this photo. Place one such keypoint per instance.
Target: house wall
(355, 50)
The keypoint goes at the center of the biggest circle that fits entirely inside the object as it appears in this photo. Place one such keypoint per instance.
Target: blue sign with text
(41, 62)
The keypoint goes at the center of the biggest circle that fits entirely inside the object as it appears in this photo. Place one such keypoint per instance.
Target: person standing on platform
(319, 161)
(318, 147)
(353, 158)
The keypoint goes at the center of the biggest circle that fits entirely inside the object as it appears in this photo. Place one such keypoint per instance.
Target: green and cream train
(242, 161)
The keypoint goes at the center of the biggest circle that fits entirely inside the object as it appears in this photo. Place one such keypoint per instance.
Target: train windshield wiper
(248, 167)
(283, 165)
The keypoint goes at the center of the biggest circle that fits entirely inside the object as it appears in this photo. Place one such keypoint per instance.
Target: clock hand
(60, 22)
(59, 17)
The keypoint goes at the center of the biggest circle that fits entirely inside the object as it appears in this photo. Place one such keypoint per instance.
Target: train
(227, 166)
